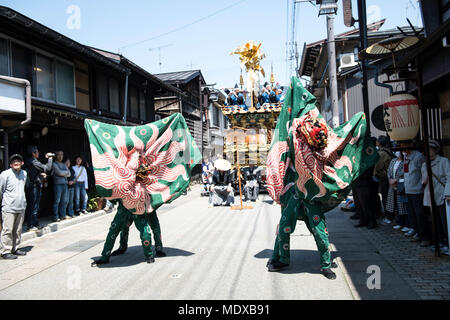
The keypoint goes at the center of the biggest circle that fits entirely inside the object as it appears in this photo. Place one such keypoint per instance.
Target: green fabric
(308, 182)
(314, 219)
(351, 149)
(123, 220)
(164, 149)
(154, 225)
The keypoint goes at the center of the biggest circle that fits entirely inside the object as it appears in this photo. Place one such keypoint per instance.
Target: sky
(200, 34)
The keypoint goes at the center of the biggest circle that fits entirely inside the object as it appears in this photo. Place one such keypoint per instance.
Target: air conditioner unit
(347, 60)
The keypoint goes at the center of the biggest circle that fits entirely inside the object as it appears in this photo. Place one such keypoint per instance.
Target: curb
(57, 226)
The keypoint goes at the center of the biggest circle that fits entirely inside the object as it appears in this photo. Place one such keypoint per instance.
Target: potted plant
(95, 202)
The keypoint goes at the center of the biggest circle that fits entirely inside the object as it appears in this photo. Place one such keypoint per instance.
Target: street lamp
(327, 7)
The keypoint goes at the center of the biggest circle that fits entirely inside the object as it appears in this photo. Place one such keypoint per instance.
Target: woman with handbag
(396, 199)
(80, 185)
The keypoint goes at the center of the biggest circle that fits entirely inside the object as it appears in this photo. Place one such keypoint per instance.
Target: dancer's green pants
(120, 222)
(314, 220)
(154, 225)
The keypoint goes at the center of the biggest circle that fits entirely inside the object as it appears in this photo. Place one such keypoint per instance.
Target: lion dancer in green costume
(310, 168)
(121, 224)
(143, 167)
(155, 227)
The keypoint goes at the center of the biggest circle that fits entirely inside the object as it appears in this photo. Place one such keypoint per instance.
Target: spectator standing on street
(81, 185)
(70, 190)
(396, 204)
(60, 175)
(13, 204)
(36, 172)
(380, 172)
(364, 203)
(440, 167)
(414, 191)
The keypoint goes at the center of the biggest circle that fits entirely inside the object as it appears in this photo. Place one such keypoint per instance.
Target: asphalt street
(212, 253)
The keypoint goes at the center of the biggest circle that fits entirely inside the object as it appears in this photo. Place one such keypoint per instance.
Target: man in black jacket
(37, 172)
(222, 192)
(252, 177)
(364, 199)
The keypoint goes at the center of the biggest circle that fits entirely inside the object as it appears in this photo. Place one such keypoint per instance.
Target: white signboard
(12, 98)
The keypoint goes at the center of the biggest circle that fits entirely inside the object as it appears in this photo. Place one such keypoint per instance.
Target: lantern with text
(401, 117)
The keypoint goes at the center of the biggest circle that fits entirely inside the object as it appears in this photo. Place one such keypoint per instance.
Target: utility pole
(329, 8)
(362, 22)
(159, 54)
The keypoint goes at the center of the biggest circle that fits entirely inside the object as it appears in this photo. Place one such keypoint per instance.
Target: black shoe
(328, 274)
(150, 260)
(160, 253)
(277, 266)
(9, 256)
(355, 217)
(98, 262)
(19, 252)
(118, 252)
(269, 262)
(359, 225)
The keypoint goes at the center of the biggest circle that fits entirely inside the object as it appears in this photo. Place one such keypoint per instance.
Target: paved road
(212, 253)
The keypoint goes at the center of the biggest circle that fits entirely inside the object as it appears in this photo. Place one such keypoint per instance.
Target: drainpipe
(125, 102)
(376, 79)
(27, 120)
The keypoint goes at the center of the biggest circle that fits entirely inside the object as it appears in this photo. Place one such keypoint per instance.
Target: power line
(184, 26)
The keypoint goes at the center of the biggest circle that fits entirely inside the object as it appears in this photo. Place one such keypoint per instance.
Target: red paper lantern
(401, 117)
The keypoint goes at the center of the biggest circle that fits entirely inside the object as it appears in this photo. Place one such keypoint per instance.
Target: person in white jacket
(81, 186)
(440, 167)
(12, 207)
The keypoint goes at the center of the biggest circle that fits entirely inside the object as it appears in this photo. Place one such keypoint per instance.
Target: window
(114, 97)
(21, 62)
(45, 87)
(50, 78)
(102, 92)
(108, 93)
(134, 103)
(4, 65)
(65, 90)
(142, 106)
(215, 116)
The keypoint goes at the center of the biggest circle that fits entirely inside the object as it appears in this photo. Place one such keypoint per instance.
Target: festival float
(252, 125)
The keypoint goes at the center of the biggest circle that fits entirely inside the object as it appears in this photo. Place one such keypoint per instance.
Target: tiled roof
(179, 76)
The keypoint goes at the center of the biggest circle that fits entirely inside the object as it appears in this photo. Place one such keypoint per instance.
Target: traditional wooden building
(70, 82)
(193, 104)
(432, 57)
(314, 65)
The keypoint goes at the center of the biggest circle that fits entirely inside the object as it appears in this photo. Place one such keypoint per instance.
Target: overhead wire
(184, 26)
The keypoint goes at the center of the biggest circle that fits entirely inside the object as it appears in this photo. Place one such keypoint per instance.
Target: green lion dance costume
(143, 167)
(309, 169)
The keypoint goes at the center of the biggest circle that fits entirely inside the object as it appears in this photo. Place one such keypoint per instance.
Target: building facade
(70, 82)
(314, 65)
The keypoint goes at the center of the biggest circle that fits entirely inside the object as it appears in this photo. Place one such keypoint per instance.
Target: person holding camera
(37, 173)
